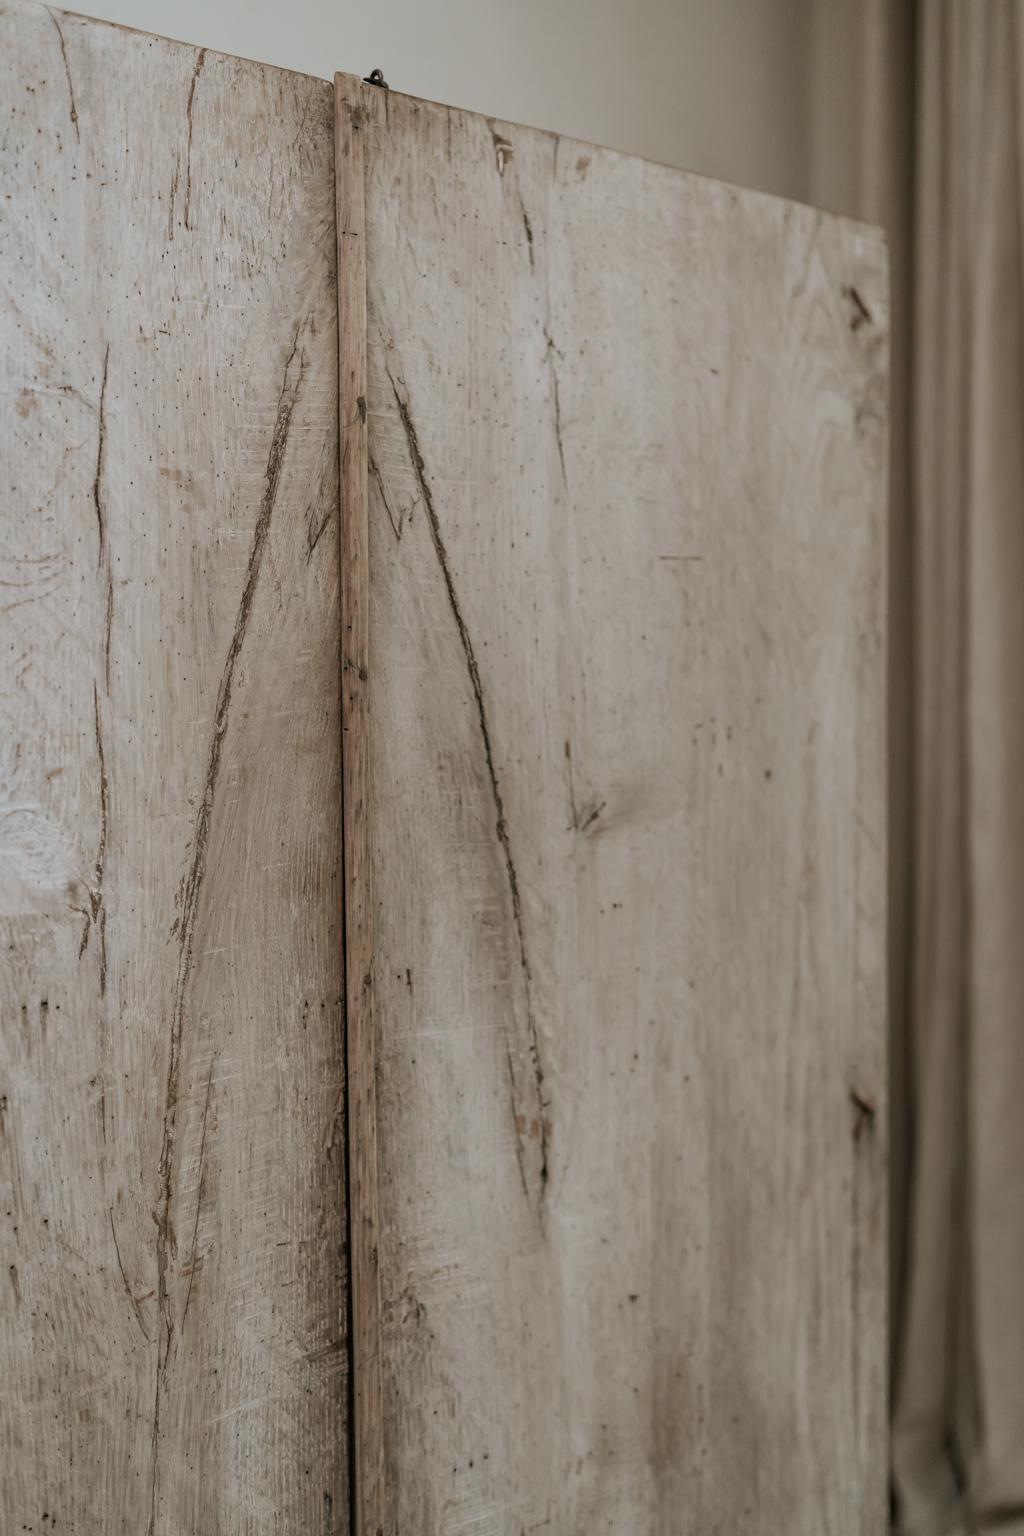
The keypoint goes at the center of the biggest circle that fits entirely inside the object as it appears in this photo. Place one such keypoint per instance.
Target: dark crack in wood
(515, 1120)
(108, 627)
(864, 1114)
(154, 1451)
(124, 1279)
(101, 448)
(315, 534)
(860, 314)
(396, 528)
(313, 539)
(172, 198)
(574, 815)
(97, 908)
(579, 819)
(196, 72)
(550, 353)
(501, 824)
(199, 1198)
(193, 883)
(528, 227)
(67, 72)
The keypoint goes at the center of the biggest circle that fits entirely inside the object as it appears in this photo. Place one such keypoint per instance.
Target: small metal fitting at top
(376, 77)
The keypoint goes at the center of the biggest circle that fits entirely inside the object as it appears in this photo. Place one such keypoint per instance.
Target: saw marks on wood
(621, 703)
(172, 1343)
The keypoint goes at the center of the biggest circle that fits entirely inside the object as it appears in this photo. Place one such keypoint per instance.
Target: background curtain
(943, 168)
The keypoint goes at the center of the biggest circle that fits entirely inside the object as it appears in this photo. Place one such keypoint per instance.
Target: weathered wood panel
(623, 717)
(367, 1400)
(172, 1355)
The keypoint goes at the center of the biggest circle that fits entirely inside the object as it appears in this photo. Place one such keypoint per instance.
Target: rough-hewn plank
(626, 827)
(172, 1354)
(367, 1398)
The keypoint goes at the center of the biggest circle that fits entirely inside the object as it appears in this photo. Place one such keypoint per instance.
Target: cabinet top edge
(870, 234)
(61, 13)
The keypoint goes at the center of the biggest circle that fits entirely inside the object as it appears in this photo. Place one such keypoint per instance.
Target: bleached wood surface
(625, 832)
(367, 1403)
(172, 1351)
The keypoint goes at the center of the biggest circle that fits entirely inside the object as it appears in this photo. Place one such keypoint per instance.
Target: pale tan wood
(355, 109)
(626, 462)
(172, 1335)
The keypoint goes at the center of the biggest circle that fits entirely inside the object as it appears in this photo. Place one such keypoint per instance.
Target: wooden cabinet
(513, 690)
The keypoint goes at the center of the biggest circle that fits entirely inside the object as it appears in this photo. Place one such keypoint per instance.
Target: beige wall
(726, 87)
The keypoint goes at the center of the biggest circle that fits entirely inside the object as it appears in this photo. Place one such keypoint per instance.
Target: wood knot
(865, 1114)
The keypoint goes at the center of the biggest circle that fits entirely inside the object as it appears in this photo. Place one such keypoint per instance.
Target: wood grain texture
(352, 118)
(172, 1346)
(626, 462)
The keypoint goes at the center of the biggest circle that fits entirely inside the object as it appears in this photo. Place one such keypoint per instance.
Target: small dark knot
(375, 77)
(865, 1113)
